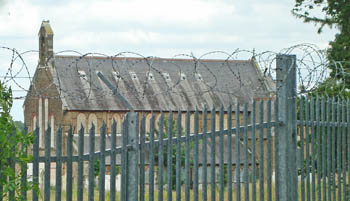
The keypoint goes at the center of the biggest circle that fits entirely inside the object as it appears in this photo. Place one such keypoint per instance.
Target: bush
(13, 149)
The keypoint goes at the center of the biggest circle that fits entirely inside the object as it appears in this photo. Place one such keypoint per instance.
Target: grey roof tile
(222, 82)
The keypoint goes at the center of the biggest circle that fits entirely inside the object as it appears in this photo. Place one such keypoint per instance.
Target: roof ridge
(154, 58)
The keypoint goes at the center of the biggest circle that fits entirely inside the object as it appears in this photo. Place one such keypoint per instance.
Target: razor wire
(312, 71)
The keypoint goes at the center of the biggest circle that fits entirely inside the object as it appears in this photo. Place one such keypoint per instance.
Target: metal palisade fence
(280, 148)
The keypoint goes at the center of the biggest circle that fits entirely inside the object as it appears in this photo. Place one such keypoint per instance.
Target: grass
(234, 193)
(107, 194)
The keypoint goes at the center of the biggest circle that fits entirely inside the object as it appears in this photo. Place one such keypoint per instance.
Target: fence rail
(325, 139)
(118, 149)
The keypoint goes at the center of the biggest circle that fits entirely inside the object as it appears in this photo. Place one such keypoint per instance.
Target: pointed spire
(45, 44)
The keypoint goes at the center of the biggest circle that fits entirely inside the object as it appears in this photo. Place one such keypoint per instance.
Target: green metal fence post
(286, 148)
(47, 174)
(36, 163)
(132, 157)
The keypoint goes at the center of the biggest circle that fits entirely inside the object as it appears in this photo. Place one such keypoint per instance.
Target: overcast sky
(158, 28)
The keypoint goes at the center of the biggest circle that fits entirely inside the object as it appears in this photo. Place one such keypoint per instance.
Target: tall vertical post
(47, 174)
(286, 147)
(132, 157)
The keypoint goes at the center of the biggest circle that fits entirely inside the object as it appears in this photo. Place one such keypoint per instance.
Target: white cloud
(154, 11)
(18, 19)
(160, 28)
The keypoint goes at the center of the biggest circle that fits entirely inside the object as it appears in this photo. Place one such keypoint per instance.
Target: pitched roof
(156, 83)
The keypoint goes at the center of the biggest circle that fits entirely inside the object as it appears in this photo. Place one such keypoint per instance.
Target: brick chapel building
(65, 89)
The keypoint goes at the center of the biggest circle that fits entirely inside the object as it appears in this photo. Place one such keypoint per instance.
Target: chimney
(45, 44)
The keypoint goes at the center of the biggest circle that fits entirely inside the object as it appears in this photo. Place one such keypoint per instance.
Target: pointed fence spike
(80, 182)
(69, 163)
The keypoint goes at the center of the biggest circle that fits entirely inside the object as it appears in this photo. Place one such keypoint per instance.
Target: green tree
(13, 148)
(173, 152)
(334, 13)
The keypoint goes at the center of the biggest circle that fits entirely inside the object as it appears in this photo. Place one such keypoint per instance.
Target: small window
(150, 76)
(82, 74)
(198, 76)
(81, 121)
(133, 75)
(85, 82)
(166, 76)
(116, 75)
(182, 76)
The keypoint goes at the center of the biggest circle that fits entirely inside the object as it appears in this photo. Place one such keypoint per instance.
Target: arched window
(118, 120)
(192, 122)
(53, 129)
(34, 122)
(157, 119)
(41, 133)
(81, 121)
(183, 122)
(148, 123)
(93, 120)
(46, 112)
